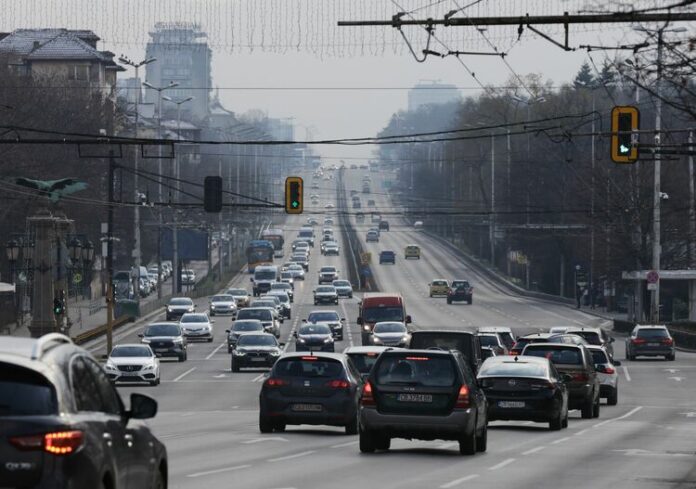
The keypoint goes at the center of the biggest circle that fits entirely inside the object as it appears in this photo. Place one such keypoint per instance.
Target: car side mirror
(281, 344)
(227, 331)
(251, 279)
(212, 321)
(601, 369)
(304, 320)
(359, 321)
(294, 334)
(617, 363)
(142, 407)
(408, 320)
(195, 306)
(141, 335)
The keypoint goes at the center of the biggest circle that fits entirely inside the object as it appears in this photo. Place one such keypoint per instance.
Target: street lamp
(75, 250)
(88, 252)
(12, 250)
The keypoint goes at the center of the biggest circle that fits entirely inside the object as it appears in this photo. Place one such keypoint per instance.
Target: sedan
(255, 350)
(241, 327)
(331, 249)
(223, 305)
(330, 319)
(391, 333)
(387, 256)
(343, 288)
(327, 274)
(303, 261)
(525, 389)
(285, 306)
(297, 270)
(178, 306)
(284, 287)
(325, 294)
(133, 363)
(241, 297)
(166, 340)
(196, 326)
(314, 337)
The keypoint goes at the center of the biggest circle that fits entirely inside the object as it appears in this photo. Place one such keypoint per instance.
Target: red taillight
(541, 386)
(580, 377)
(273, 382)
(57, 443)
(667, 341)
(367, 399)
(608, 370)
(637, 341)
(338, 384)
(463, 398)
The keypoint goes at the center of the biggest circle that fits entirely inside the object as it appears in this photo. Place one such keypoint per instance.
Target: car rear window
(599, 357)
(592, 337)
(513, 369)
(488, 340)
(247, 326)
(443, 341)
(364, 361)
(416, 369)
(564, 356)
(25, 393)
(262, 314)
(308, 367)
(653, 333)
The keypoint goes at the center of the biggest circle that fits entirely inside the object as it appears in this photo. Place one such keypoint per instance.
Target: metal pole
(592, 198)
(491, 219)
(159, 195)
(692, 205)
(136, 164)
(656, 245)
(175, 229)
(110, 257)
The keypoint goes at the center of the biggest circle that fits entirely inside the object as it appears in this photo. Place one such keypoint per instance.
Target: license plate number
(653, 344)
(511, 404)
(258, 359)
(161, 350)
(414, 398)
(311, 408)
(130, 374)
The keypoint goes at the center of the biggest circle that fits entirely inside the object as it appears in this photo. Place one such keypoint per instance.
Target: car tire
(210, 340)
(234, 366)
(449, 301)
(467, 444)
(482, 439)
(367, 441)
(159, 483)
(556, 424)
(565, 420)
(350, 296)
(671, 358)
(352, 426)
(265, 425)
(182, 357)
(470, 301)
(613, 398)
(154, 382)
(315, 303)
(280, 427)
(383, 442)
(587, 409)
(595, 408)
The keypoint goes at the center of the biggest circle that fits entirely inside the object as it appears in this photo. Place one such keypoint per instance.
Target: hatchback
(607, 373)
(650, 341)
(438, 287)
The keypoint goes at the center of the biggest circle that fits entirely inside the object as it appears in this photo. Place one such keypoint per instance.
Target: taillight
(514, 352)
(56, 443)
(580, 377)
(537, 386)
(667, 341)
(463, 398)
(608, 370)
(637, 341)
(367, 399)
(338, 384)
(273, 382)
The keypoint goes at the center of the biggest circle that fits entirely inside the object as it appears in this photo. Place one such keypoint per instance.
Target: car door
(104, 429)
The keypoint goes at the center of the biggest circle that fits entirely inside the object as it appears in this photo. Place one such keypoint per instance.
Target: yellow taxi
(438, 286)
(412, 251)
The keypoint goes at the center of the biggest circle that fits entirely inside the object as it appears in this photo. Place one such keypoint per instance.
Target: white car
(287, 277)
(607, 373)
(503, 332)
(197, 326)
(297, 271)
(558, 329)
(223, 304)
(133, 363)
(391, 333)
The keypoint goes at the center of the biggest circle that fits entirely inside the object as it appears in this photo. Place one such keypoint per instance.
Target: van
(376, 307)
(465, 342)
(263, 277)
(307, 234)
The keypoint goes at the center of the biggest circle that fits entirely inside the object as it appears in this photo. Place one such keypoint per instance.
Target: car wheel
(352, 426)
(467, 444)
(671, 358)
(470, 301)
(154, 382)
(613, 398)
(367, 441)
(557, 423)
(587, 409)
(159, 481)
(265, 425)
(234, 366)
(315, 303)
(449, 301)
(383, 442)
(350, 296)
(595, 409)
(279, 427)
(482, 439)
(182, 357)
(565, 420)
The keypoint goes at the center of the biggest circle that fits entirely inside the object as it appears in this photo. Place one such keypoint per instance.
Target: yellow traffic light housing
(293, 195)
(625, 121)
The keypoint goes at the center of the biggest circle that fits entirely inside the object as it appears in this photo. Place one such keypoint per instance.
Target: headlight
(301, 340)
(169, 309)
(238, 353)
(376, 339)
(148, 367)
(110, 366)
(366, 327)
(145, 340)
(178, 340)
(213, 306)
(405, 338)
(329, 339)
(275, 353)
(190, 309)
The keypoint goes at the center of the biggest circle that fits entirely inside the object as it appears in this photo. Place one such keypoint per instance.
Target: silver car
(343, 288)
(284, 287)
(241, 297)
(607, 373)
(297, 271)
(223, 305)
(133, 363)
(197, 326)
(391, 333)
(284, 298)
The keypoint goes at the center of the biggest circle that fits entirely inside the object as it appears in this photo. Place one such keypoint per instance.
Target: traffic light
(624, 121)
(293, 195)
(58, 306)
(212, 194)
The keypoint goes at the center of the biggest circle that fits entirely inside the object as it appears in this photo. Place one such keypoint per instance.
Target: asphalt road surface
(208, 417)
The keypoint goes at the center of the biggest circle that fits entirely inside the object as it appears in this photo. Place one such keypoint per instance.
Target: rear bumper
(536, 409)
(337, 410)
(459, 423)
(606, 390)
(248, 362)
(459, 297)
(578, 396)
(652, 351)
(323, 347)
(325, 300)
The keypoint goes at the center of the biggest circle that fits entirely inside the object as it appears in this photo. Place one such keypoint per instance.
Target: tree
(584, 78)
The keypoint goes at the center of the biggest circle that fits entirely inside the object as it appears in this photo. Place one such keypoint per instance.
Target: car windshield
(563, 356)
(181, 302)
(222, 298)
(131, 351)
(25, 393)
(389, 328)
(378, 314)
(416, 369)
(315, 329)
(162, 330)
(599, 357)
(592, 337)
(263, 304)
(327, 269)
(387, 253)
(295, 267)
(251, 325)
(513, 369)
(265, 275)
(326, 290)
(488, 340)
(194, 318)
(653, 333)
(280, 295)
(237, 292)
(341, 283)
(298, 259)
(261, 314)
(308, 367)
(439, 282)
(317, 317)
(280, 286)
(257, 340)
(283, 275)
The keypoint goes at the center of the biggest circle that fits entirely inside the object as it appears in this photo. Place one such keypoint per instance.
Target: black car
(650, 341)
(240, 327)
(465, 342)
(315, 389)
(523, 341)
(525, 389)
(422, 394)
(384, 225)
(460, 291)
(166, 340)
(255, 350)
(387, 256)
(314, 337)
(178, 306)
(63, 424)
(577, 362)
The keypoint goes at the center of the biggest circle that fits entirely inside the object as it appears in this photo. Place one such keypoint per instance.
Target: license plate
(161, 350)
(653, 344)
(130, 374)
(258, 359)
(311, 408)
(415, 398)
(511, 404)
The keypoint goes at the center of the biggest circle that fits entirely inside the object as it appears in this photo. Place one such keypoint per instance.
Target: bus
(275, 236)
(259, 252)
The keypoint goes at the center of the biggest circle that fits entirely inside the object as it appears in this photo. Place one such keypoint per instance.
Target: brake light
(637, 341)
(311, 359)
(418, 359)
(273, 382)
(609, 370)
(367, 399)
(56, 443)
(541, 385)
(463, 398)
(338, 384)
(667, 341)
(580, 377)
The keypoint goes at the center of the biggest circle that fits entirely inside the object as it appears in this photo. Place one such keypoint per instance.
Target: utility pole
(509, 206)
(692, 204)
(110, 257)
(592, 198)
(491, 219)
(657, 197)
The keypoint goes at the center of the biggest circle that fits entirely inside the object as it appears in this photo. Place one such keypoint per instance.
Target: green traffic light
(295, 203)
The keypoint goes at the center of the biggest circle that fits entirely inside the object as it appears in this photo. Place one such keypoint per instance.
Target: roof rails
(46, 342)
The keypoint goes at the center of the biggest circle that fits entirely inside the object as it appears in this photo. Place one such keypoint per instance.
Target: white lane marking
(445, 446)
(676, 379)
(258, 378)
(261, 440)
(177, 379)
(625, 371)
(219, 471)
(581, 432)
(502, 464)
(533, 450)
(215, 351)
(560, 440)
(347, 444)
(671, 370)
(630, 413)
(290, 457)
(456, 482)
(219, 376)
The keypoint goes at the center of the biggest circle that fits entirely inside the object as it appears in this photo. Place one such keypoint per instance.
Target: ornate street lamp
(88, 253)
(28, 249)
(12, 249)
(75, 250)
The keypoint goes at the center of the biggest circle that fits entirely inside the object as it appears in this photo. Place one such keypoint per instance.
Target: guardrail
(99, 330)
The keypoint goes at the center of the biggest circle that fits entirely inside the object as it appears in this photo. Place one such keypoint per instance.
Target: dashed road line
(581, 432)
(219, 471)
(533, 450)
(290, 457)
(456, 482)
(502, 464)
(347, 444)
(560, 440)
(630, 413)
(177, 379)
(212, 353)
(625, 371)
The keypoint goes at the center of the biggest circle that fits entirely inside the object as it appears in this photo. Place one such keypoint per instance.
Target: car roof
(555, 345)
(517, 359)
(444, 331)
(322, 310)
(368, 349)
(319, 354)
(162, 323)
(538, 335)
(582, 329)
(126, 345)
(494, 329)
(650, 326)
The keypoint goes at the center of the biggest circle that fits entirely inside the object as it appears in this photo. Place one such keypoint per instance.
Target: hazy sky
(296, 46)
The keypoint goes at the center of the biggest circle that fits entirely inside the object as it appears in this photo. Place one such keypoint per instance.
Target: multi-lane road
(208, 417)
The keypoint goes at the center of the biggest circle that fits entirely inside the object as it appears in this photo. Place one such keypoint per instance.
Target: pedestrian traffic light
(58, 306)
(293, 195)
(625, 120)
(212, 194)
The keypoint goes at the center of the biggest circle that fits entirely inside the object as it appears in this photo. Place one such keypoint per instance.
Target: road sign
(581, 278)
(652, 277)
(77, 278)
(652, 286)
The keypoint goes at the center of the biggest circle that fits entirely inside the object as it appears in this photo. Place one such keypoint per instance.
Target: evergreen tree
(584, 78)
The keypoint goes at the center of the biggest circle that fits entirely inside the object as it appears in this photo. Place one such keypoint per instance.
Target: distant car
(166, 340)
(331, 249)
(297, 271)
(595, 336)
(364, 357)
(493, 341)
(650, 341)
(329, 206)
(241, 297)
(525, 389)
(327, 274)
(523, 341)
(391, 333)
(314, 337)
(438, 287)
(607, 373)
(568, 339)
(188, 277)
(133, 363)
(465, 342)
(197, 326)
(460, 290)
(372, 236)
(284, 298)
(387, 256)
(343, 288)
(329, 318)
(310, 220)
(559, 329)
(178, 306)
(359, 217)
(240, 327)
(267, 315)
(302, 261)
(422, 394)
(412, 251)
(504, 332)
(314, 389)
(325, 294)
(285, 287)
(270, 303)
(328, 221)
(287, 277)
(384, 225)
(255, 350)
(223, 304)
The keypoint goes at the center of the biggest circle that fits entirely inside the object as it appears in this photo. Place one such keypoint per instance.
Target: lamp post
(87, 258)
(12, 249)
(75, 250)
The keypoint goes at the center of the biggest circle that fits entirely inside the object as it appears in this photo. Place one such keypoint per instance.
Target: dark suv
(63, 425)
(387, 256)
(465, 342)
(422, 394)
(650, 341)
(460, 291)
(576, 361)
